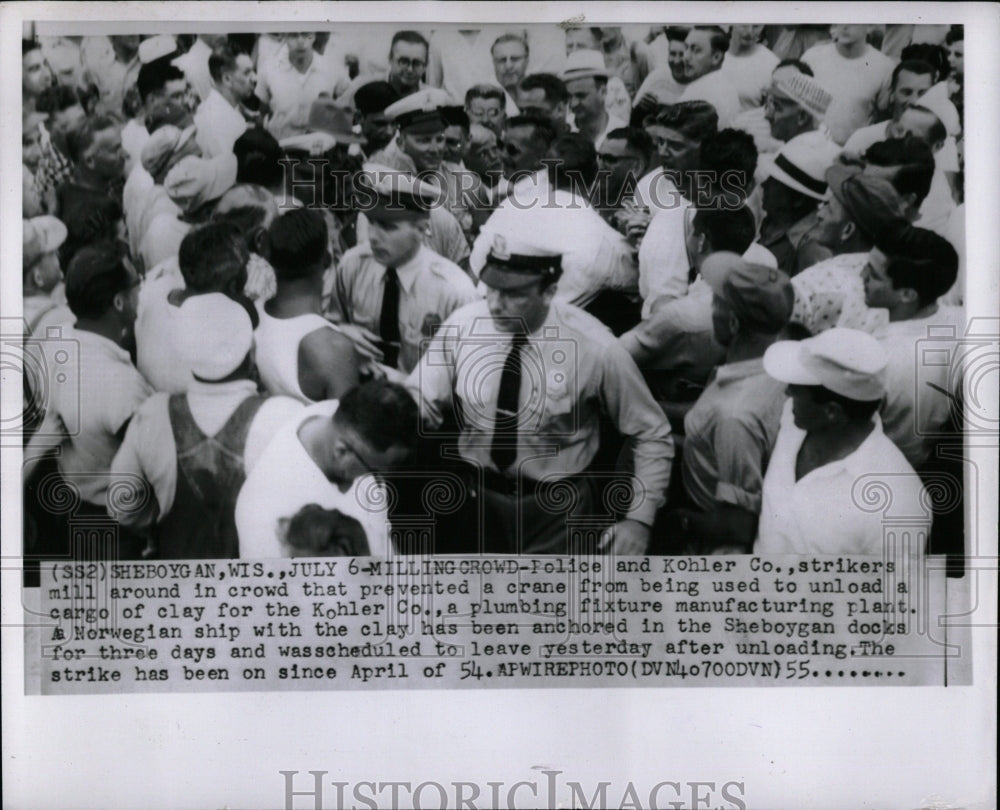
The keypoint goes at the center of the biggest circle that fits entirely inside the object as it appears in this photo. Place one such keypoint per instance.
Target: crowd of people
(547, 289)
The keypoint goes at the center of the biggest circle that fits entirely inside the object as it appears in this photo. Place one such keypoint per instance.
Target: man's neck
(748, 347)
(396, 84)
(835, 443)
(105, 327)
(907, 312)
(228, 95)
(852, 51)
(297, 297)
(402, 261)
(90, 179)
(301, 62)
(595, 126)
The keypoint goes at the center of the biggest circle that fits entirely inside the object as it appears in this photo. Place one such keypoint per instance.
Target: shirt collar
(102, 344)
(856, 464)
(731, 372)
(221, 389)
(408, 271)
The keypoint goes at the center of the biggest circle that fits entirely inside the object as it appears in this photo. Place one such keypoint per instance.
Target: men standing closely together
(497, 239)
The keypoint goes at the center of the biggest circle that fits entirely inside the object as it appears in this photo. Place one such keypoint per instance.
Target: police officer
(528, 379)
(393, 291)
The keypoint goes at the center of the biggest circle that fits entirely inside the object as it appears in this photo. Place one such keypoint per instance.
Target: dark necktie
(504, 449)
(388, 325)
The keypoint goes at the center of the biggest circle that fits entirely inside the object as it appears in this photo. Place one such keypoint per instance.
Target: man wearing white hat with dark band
(586, 80)
(194, 450)
(831, 454)
(528, 379)
(794, 188)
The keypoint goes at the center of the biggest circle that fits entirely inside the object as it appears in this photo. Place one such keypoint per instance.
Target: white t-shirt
(717, 89)
(859, 86)
(286, 478)
(750, 74)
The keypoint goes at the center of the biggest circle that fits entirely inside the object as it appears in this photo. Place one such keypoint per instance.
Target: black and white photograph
(468, 405)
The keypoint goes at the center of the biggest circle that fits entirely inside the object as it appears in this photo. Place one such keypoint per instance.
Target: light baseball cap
(214, 335)
(42, 235)
(848, 362)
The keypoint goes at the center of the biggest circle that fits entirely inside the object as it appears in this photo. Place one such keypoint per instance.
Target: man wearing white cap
(529, 378)
(394, 291)
(794, 104)
(44, 297)
(831, 455)
(794, 188)
(193, 185)
(193, 450)
(704, 53)
(586, 80)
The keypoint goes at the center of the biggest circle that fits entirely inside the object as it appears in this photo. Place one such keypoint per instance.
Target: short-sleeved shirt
(290, 93)
(218, 125)
(91, 397)
(430, 289)
(286, 478)
(831, 293)
(859, 86)
(729, 434)
(573, 368)
(750, 74)
(831, 510)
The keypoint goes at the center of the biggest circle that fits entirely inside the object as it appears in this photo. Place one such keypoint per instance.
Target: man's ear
(907, 295)
(118, 302)
(258, 241)
(847, 230)
(734, 323)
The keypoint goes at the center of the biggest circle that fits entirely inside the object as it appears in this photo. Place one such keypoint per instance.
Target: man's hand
(630, 537)
(365, 341)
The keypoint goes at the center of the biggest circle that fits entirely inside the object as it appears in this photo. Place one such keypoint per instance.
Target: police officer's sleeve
(432, 382)
(627, 400)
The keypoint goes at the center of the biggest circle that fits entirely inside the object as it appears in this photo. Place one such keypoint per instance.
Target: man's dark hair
(636, 139)
(572, 162)
(29, 45)
(510, 37)
(382, 413)
(676, 33)
(798, 64)
(80, 140)
(213, 258)
(720, 39)
(915, 162)
(542, 133)
(221, 61)
(916, 66)
(693, 119)
(326, 533)
(153, 77)
(854, 409)
(95, 275)
(550, 84)
(57, 98)
(258, 159)
(731, 229)
(298, 244)
(727, 152)
(955, 34)
(411, 37)
(920, 260)
(484, 91)
(934, 55)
